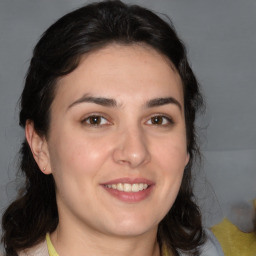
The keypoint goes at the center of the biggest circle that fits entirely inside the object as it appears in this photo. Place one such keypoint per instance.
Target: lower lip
(130, 197)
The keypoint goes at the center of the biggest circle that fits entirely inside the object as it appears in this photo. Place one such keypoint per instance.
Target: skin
(133, 137)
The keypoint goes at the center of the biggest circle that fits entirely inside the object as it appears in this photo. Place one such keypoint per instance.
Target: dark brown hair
(34, 212)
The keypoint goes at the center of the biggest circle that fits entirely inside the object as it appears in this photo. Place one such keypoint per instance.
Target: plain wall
(221, 41)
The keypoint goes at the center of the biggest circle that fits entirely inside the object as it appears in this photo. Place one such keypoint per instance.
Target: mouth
(127, 187)
(129, 190)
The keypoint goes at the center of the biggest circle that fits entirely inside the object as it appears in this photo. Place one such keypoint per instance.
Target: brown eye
(95, 120)
(159, 120)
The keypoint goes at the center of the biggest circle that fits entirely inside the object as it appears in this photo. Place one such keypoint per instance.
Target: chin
(134, 228)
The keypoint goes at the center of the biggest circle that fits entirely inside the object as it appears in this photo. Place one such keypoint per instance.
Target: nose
(131, 149)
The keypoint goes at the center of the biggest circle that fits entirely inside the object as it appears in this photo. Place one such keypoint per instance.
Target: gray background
(221, 41)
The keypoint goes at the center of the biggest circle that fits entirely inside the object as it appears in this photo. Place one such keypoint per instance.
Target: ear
(39, 148)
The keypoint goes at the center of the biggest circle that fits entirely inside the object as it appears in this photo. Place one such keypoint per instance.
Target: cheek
(170, 163)
(172, 152)
(171, 159)
(77, 155)
(75, 166)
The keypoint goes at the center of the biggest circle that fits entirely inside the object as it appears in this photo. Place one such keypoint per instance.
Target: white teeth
(120, 187)
(135, 187)
(126, 187)
(141, 186)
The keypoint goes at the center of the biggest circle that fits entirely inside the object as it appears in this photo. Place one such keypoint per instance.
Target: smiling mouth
(126, 187)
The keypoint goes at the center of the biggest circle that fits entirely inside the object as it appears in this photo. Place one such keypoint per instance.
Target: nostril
(124, 161)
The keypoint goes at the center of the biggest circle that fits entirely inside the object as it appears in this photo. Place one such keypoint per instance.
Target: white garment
(40, 249)
(210, 248)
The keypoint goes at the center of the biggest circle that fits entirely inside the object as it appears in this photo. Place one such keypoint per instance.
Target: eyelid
(169, 120)
(96, 115)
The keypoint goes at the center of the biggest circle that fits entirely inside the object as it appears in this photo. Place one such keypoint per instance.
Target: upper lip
(129, 181)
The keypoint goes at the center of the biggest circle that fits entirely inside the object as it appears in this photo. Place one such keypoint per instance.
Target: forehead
(121, 55)
(122, 70)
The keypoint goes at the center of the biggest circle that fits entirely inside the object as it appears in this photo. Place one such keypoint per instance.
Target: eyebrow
(107, 102)
(163, 101)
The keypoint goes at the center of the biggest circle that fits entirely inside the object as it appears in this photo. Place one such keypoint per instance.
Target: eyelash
(95, 118)
(165, 121)
(96, 121)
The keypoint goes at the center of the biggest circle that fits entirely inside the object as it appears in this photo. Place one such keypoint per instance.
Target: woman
(108, 109)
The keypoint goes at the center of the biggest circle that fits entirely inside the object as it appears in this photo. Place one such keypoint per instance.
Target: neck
(81, 242)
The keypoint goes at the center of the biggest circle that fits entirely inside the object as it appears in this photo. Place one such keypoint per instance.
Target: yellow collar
(50, 246)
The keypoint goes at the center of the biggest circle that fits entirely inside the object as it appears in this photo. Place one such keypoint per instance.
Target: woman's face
(117, 141)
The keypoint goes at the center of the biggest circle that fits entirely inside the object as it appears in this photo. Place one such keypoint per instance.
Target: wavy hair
(58, 52)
